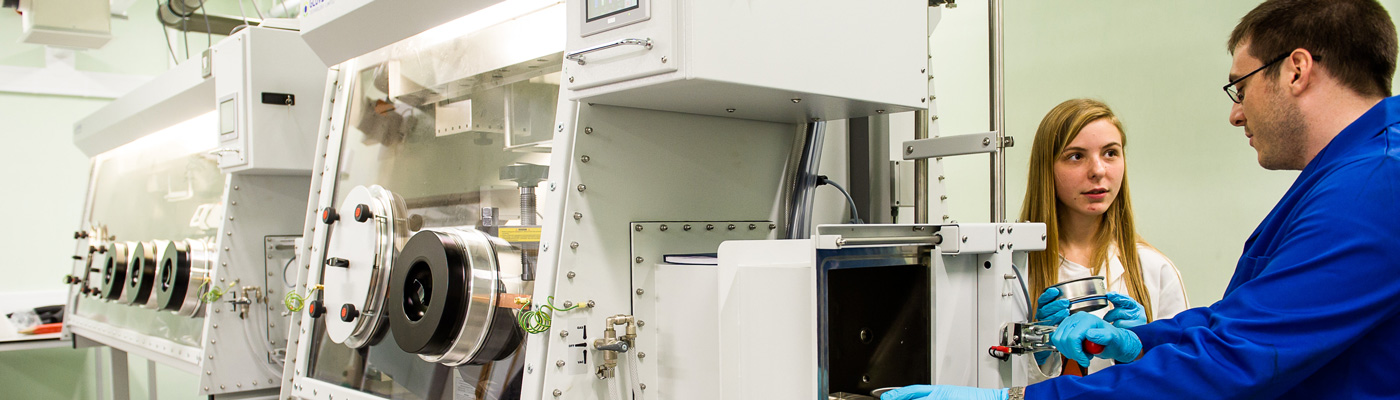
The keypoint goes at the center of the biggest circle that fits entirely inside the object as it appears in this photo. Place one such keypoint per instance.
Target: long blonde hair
(1060, 126)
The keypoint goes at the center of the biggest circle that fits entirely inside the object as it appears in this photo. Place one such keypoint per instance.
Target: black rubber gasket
(502, 338)
(439, 259)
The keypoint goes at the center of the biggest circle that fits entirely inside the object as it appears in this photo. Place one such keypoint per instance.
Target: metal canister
(1085, 294)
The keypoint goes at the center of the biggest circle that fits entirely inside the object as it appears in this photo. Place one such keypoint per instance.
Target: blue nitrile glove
(1051, 311)
(933, 392)
(1126, 312)
(1121, 345)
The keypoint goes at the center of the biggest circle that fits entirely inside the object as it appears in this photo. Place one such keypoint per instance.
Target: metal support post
(921, 197)
(998, 105)
(121, 380)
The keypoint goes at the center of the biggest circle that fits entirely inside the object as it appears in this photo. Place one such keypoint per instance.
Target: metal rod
(998, 105)
(921, 197)
(857, 241)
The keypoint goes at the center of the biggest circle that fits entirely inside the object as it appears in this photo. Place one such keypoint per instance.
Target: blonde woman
(1078, 186)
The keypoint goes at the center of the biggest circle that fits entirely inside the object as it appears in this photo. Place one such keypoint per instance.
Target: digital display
(601, 8)
(228, 118)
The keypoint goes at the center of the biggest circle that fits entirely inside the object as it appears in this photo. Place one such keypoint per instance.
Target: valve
(610, 344)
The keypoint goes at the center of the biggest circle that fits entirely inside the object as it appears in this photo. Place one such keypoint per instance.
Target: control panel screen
(602, 8)
(228, 119)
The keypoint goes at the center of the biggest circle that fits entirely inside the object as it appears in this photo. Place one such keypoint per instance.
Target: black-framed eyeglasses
(1234, 92)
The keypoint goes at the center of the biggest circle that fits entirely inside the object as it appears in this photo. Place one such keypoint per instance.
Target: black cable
(166, 34)
(284, 272)
(1026, 293)
(855, 215)
(185, 30)
(208, 30)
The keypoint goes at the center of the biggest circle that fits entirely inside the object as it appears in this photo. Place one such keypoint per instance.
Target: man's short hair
(1355, 39)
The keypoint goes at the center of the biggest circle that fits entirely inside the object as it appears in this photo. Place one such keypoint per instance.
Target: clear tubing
(613, 391)
(635, 382)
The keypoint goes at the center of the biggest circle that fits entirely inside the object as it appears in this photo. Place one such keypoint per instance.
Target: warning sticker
(518, 235)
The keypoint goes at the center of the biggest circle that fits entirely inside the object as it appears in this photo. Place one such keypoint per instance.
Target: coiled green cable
(538, 321)
(295, 302)
(215, 293)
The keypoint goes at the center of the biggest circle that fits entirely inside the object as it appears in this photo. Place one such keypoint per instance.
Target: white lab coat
(1163, 284)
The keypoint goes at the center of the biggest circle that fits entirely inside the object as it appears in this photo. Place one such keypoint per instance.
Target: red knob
(315, 309)
(328, 215)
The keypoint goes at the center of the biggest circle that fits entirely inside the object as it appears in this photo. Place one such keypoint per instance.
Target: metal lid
(1084, 294)
(368, 249)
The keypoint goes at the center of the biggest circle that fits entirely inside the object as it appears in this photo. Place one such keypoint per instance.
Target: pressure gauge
(359, 258)
(182, 276)
(140, 273)
(112, 262)
(444, 297)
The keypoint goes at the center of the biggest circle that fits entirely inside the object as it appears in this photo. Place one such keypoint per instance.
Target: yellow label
(518, 235)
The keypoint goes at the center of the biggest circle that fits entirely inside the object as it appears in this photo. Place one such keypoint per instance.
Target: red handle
(1092, 348)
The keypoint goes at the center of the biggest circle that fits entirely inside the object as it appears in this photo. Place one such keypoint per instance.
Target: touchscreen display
(601, 8)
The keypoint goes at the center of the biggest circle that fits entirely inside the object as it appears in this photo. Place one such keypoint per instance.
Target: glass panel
(461, 130)
(161, 187)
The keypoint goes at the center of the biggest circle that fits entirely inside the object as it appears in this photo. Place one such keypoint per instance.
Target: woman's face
(1089, 172)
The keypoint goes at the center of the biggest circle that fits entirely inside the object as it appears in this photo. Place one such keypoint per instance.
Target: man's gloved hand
(1126, 312)
(1051, 311)
(934, 392)
(1121, 345)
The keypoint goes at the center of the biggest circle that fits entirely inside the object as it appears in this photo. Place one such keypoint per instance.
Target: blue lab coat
(1311, 312)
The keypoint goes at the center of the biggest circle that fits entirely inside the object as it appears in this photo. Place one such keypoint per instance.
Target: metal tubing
(921, 197)
(869, 168)
(800, 213)
(196, 22)
(998, 104)
(858, 241)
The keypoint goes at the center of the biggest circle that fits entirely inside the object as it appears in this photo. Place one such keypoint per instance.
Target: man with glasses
(1313, 308)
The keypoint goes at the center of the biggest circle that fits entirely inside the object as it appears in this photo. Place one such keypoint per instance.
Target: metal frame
(975, 143)
(229, 358)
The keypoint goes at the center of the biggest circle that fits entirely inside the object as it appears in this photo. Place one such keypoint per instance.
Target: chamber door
(359, 257)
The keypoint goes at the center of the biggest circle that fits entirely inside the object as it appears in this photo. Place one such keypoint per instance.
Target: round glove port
(140, 274)
(113, 265)
(443, 297)
(182, 274)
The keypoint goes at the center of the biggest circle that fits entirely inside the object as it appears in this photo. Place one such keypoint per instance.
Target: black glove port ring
(140, 274)
(181, 270)
(114, 271)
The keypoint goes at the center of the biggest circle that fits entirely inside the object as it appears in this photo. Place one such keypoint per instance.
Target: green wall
(1196, 187)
